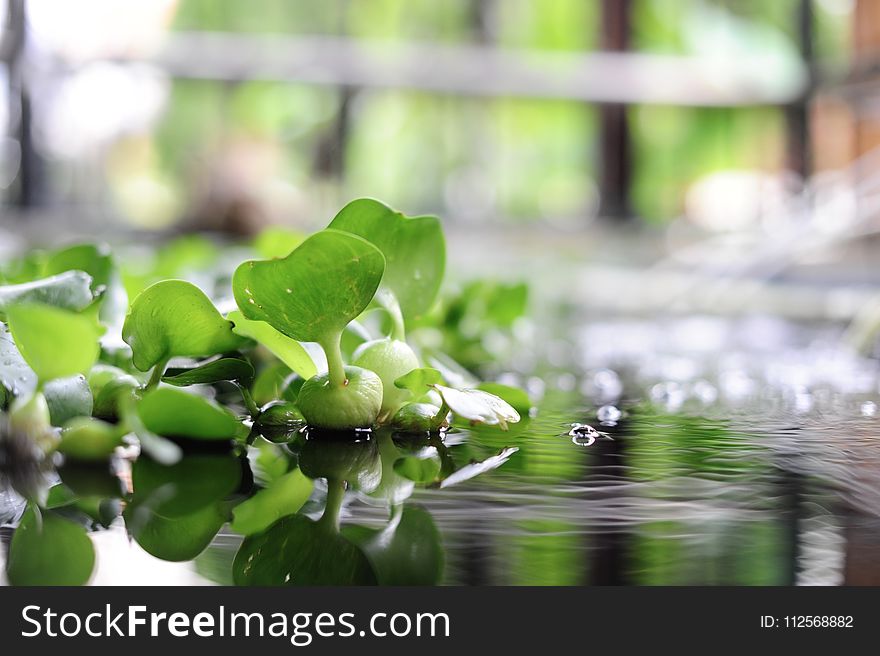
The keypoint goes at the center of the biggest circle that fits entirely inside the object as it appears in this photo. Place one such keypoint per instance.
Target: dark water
(761, 466)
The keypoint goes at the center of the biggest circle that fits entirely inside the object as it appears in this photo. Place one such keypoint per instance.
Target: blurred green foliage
(522, 159)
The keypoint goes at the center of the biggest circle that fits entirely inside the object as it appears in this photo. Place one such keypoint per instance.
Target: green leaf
(15, 374)
(97, 261)
(67, 398)
(56, 343)
(514, 396)
(174, 318)
(235, 369)
(88, 439)
(187, 486)
(478, 407)
(419, 380)
(297, 551)
(284, 496)
(419, 470)
(407, 552)
(288, 350)
(68, 291)
(171, 412)
(175, 539)
(47, 549)
(414, 249)
(313, 293)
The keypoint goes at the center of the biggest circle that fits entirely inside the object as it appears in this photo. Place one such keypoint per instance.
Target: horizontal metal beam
(475, 70)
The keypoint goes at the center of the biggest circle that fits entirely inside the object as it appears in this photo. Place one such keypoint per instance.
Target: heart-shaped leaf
(414, 249)
(284, 496)
(175, 318)
(56, 343)
(97, 261)
(286, 349)
(69, 291)
(419, 380)
(478, 407)
(514, 396)
(419, 470)
(47, 549)
(234, 369)
(173, 412)
(313, 293)
(297, 551)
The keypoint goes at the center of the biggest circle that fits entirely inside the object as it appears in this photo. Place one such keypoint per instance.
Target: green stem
(156, 376)
(249, 403)
(335, 495)
(335, 367)
(438, 419)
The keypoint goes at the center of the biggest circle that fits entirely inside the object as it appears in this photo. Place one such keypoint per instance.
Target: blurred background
(697, 181)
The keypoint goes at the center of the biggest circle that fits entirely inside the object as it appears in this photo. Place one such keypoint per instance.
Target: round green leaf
(288, 350)
(70, 291)
(175, 318)
(187, 486)
(67, 398)
(47, 549)
(56, 343)
(15, 374)
(211, 372)
(297, 551)
(414, 249)
(88, 439)
(175, 539)
(419, 380)
(407, 552)
(313, 293)
(173, 412)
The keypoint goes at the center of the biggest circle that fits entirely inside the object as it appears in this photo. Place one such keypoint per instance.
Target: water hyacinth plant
(190, 397)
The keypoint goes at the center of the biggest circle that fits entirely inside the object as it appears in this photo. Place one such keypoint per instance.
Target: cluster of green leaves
(88, 385)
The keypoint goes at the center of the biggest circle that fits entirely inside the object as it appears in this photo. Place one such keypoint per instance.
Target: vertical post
(329, 159)
(614, 138)
(797, 114)
(29, 184)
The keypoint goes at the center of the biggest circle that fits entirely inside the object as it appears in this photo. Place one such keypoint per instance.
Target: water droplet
(868, 409)
(252, 301)
(583, 434)
(289, 290)
(609, 414)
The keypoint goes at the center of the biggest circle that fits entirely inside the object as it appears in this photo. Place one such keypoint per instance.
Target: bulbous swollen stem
(335, 366)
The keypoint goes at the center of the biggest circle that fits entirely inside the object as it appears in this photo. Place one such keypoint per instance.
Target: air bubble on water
(868, 409)
(803, 400)
(669, 394)
(704, 391)
(583, 434)
(565, 382)
(603, 385)
(609, 415)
